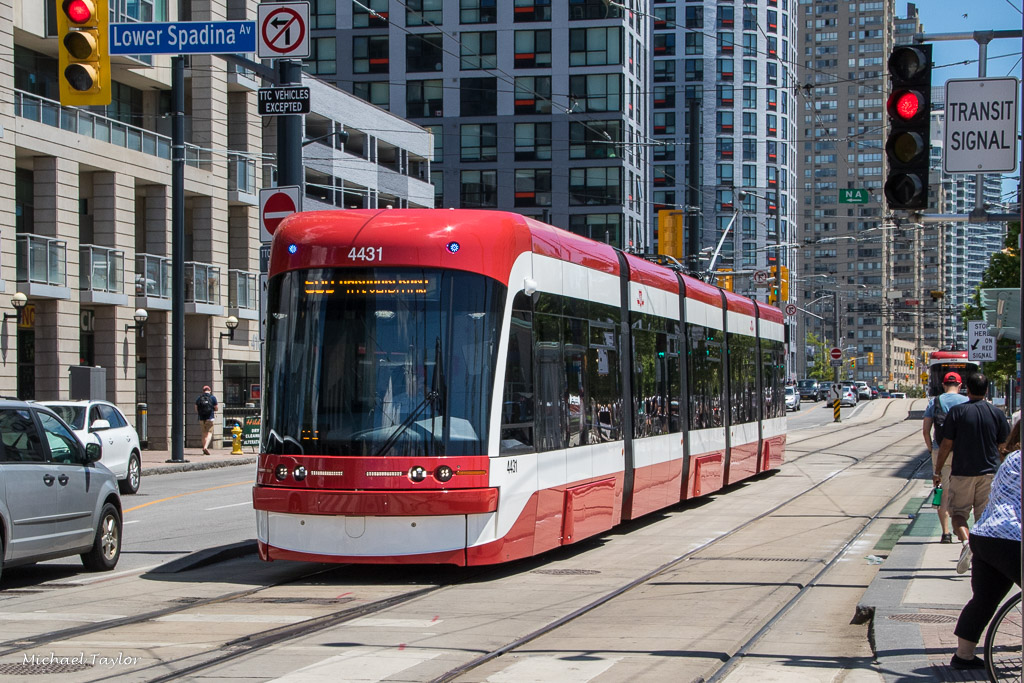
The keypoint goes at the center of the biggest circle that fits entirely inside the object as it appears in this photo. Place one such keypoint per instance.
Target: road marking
(190, 493)
(379, 622)
(134, 521)
(361, 664)
(54, 616)
(233, 505)
(236, 618)
(569, 670)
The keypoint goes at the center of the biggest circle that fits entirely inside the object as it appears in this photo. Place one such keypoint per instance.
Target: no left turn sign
(283, 30)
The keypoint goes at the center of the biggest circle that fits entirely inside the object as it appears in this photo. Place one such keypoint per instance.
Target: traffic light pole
(177, 259)
(289, 132)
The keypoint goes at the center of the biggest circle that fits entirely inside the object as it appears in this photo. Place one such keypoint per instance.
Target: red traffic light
(78, 11)
(906, 105)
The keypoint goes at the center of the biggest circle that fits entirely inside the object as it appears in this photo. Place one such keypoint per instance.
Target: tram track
(176, 668)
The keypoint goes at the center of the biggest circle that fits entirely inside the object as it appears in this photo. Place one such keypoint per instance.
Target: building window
(724, 147)
(749, 44)
(665, 44)
(749, 71)
(664, 70)
(664, 96)
(724, 121)
(772, 95)
(437, 180)
(377, 93)
(693, 69)
(772, 73)
(533, 48)
(726, 42)
(724, 174)
(478, 97)
(749, 175)
(423, 52)
(596, 92)
(322, 58)
(423, 12)
(726, 69)
(664, 18)
(370, 54)
(533, 141)
(771, 121)
(749, 123)
(749, 97)
(603, 227)
(749, 149)
(479, 50)
(595, 46)
(595, 186)
(479, 189)
(533, 94)
(749, 19)
(664, 122)
(532, 10)
(724, 92)
(726, 16)
(437, 133)
(593, 9)
(424, 99)
(365, 14)
(594, 139)
(478, 11)
(694, 17)
(479, 141)
(533, 187)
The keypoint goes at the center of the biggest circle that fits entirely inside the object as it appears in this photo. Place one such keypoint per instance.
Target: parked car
(884, 393)
(825, 390)
(57, 499)
(848, 397)
(121, 450)
(851, 385)
(808, 389)
(792, 399)
(874, 393)
(898, 394)
(863, 390)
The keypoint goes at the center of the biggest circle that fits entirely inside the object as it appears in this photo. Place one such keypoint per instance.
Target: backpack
(205, 405)
(939, 412)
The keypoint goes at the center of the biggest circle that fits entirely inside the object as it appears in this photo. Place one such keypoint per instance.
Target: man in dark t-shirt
(206, 408)
(973, 430)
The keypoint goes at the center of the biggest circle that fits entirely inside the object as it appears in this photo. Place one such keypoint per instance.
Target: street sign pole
(177, 259)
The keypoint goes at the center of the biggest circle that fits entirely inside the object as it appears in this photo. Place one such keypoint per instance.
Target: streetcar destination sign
(981, 125)
(183, 38)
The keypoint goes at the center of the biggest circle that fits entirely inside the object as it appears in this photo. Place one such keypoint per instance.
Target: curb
(170, 468)
(204, 558)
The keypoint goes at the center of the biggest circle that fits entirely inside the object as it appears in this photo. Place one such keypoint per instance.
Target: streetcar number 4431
(366, 254)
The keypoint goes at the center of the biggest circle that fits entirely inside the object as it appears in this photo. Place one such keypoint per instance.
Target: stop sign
(835, 353)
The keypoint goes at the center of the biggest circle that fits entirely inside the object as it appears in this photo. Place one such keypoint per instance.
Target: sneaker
(965, 562)
(960, 663)
(946, 538)
(207, 452)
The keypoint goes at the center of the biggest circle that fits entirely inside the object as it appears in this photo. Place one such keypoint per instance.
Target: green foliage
(1003, 271)
(820, 369)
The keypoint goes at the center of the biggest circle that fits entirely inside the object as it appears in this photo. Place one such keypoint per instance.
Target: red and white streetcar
(472, 387)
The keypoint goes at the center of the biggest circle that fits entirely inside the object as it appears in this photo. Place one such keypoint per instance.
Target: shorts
(946, 469)
(967, 493)
(207, 428)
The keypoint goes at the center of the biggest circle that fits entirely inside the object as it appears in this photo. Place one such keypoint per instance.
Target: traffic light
(773, 293)
(908, 146)
(853, 363)
(84, 73)
(871, 358)
(911, 363)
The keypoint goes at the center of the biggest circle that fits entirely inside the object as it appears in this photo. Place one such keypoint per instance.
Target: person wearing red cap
(934, 417)
(974, 431)
(206, 409)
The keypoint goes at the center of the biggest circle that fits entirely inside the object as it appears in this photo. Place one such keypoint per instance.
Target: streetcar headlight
(443, 473)
(417, 474)
(281, 472)
(299, 473)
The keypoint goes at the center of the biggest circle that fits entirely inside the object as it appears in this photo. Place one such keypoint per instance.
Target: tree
(820, 369)
(1003, 271)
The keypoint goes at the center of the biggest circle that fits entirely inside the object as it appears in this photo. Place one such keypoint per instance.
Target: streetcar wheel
(106, 548)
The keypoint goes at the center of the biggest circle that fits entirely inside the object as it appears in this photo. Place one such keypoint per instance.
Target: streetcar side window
(704, 376)
(654, 369)
(604, 379)
(517, 407)
(743, 397)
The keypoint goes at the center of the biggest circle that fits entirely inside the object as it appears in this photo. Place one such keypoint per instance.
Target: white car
(863, 391)
(848, 397)
(121, 450)
(792, 399)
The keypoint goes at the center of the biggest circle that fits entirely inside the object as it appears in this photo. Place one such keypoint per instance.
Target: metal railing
(101, 269)
(98, 127)
(153, 276)
(42, 259)
(242, 288)
(202, 283)
(242, 174)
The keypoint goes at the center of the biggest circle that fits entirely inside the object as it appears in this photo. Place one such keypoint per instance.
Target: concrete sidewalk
(916, 599)
(156, 462)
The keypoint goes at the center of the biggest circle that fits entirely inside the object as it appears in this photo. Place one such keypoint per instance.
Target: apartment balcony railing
(101, 275)
(153, 282)
(242, 178)
(202, 289)
(243, 289)
(97, 127)
(42, 266)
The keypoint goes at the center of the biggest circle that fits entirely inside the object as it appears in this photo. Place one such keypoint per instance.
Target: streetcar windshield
(379, 361)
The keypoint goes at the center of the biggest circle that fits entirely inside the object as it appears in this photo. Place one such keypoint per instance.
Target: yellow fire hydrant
(236, 441)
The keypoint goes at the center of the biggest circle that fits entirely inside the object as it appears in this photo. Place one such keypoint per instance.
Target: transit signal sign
(981, 125)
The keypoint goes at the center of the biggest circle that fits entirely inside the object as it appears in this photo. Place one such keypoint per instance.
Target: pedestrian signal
(84, 63)
(908, 145)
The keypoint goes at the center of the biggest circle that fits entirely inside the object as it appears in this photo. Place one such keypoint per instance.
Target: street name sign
(847, 196)
(981, 125)
(183, 38)
(278, 101)
(283, 30)
(980, 346)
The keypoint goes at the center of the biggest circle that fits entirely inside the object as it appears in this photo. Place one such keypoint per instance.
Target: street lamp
(141, 316)
(19, 301)
(231, 323)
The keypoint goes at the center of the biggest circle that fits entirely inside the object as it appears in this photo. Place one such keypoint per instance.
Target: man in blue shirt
(934, 417)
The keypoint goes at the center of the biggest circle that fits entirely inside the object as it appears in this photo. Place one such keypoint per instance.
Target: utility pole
(177, 259)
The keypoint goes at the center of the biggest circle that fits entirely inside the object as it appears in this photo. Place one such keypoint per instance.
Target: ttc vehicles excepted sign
(981, 125)
(278, 101)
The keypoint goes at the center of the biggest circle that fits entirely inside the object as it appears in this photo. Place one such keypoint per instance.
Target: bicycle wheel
(1003, 642)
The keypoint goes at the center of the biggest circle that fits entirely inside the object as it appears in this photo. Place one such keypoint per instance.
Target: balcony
(153, 282)
(101, 276)
(42, 267)
(82, 122)
(242, 179)
(243, 295)
(202, 289)
(241, 78)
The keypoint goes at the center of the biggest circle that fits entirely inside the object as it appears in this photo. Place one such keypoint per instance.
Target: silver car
(56, 499)
(121, 449)
(792, 399)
